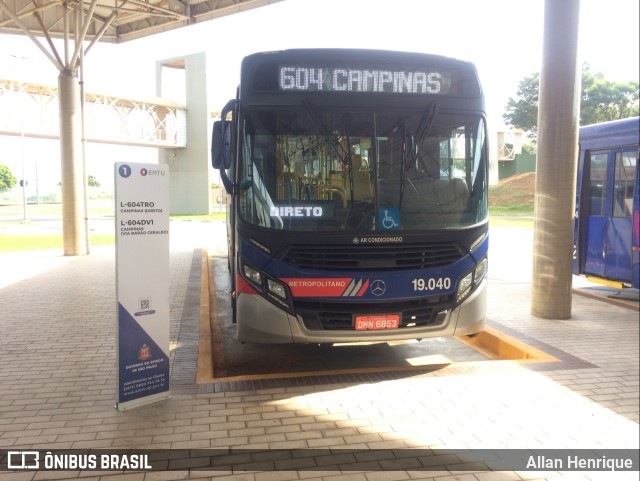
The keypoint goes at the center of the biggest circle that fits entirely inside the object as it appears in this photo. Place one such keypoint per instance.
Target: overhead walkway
(32, 110)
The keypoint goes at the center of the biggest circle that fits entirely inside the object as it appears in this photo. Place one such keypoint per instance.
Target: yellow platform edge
(492, 343)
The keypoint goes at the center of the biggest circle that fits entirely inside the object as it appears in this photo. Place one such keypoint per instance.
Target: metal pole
(558, 119)
(37, 185)
(85, 200)
(23, 182)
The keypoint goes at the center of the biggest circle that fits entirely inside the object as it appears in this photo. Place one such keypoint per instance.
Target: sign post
(142, 283)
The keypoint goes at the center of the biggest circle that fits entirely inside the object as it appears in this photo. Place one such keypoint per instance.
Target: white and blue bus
(607, 220)
(358, 206)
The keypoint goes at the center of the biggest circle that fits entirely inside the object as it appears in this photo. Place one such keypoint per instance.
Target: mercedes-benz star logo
(378, 288)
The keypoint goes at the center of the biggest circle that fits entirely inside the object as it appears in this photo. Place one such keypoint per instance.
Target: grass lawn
(510, 221)
(211, 216)
(512, 210)
(23, 242)
(100, 208)
(11, 243)
(513, 216)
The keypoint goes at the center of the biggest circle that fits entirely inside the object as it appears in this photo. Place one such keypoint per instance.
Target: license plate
(377, 322)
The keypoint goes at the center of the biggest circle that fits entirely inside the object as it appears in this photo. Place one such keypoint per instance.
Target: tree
(522, 112)
(600, 100)
(7, 179)
(92, 181)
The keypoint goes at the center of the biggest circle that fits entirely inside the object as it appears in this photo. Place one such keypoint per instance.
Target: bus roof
(353, 53)
(606, 134)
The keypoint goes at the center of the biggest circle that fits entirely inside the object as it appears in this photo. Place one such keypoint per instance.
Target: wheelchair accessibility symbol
(389, 219)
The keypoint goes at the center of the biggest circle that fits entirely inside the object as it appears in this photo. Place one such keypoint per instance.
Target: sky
(502, 37)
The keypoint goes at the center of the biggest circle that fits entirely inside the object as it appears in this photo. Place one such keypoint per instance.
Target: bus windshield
(306, 169)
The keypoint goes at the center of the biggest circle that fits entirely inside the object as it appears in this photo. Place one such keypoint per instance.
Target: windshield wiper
(350, 168)
(409, 156)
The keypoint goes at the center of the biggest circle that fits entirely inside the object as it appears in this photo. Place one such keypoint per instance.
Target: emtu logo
(143, 172)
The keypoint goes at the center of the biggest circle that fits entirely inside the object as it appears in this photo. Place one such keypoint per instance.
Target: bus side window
(597, 182)
(624, 184)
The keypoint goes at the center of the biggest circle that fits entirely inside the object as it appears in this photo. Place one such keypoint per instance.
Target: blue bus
(607, 220)
(357, 184)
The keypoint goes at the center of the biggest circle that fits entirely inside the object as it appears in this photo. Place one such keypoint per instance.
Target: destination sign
(333, 79)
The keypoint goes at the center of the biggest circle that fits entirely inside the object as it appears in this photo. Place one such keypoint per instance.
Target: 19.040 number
(431, 284)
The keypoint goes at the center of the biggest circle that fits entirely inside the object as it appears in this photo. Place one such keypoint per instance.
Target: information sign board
(142, 283)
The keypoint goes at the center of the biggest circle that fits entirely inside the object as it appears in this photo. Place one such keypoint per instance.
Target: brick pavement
(57, 385)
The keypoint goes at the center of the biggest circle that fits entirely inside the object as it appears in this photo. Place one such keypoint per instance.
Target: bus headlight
(277, 293)
(271, 289)
(277, 289)
(481, 270)
(471, 279)
(464, 286)
(252, 275)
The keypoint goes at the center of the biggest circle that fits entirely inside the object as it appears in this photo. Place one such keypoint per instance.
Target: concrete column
(558, 121)
(73, 231)
(190, 166)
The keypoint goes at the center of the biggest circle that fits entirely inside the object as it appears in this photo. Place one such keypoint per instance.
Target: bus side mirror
(221, 138)
(221, 145)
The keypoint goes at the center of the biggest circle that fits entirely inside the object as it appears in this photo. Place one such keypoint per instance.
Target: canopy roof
(111, 20)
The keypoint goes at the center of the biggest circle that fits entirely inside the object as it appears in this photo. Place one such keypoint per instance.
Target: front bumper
(259, 321)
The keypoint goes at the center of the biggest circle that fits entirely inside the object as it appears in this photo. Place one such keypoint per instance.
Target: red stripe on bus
(363, 288)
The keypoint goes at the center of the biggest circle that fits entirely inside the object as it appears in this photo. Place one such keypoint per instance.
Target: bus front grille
(339, 316)
(374, 257)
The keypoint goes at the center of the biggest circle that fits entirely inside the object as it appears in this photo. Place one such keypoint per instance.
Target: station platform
(57, 380)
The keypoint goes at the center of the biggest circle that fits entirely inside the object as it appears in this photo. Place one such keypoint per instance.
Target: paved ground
(57, 380)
